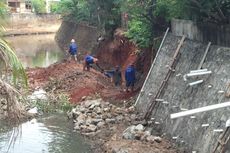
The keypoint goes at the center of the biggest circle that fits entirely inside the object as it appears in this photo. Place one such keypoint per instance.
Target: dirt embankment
(120, 51)
(69, 77)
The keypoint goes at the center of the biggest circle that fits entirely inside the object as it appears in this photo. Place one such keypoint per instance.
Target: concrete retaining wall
(218, 35)
(189, 132)
(85, 36)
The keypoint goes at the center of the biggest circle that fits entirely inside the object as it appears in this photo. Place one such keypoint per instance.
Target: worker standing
(73, 49)
(130, 77)
(117, 78)
(114, 75)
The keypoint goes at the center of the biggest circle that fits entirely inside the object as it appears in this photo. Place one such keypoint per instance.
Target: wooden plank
(199, 110)
(205, 54)
(164, 82)
(219, 145)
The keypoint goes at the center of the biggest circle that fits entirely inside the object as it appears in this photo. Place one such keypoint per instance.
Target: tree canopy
(147, 18)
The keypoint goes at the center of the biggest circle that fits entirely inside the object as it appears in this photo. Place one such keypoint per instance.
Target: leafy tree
(74, 10)
(39, 6)
(54, 8)
(108, 13)
(147, 19)
(101, 13)
(216, 11)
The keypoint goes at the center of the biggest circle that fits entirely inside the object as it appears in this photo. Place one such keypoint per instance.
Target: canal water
(36, 50)
(52, 134)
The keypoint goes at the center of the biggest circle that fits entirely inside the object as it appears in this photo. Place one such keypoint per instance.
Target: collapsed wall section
(188, 131)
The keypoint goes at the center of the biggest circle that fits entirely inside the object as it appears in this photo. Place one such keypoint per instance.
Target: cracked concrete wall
(189, 131)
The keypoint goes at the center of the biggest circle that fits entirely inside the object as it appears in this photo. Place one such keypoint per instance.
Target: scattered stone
(101, 124)
(89, 134)
(145, 135)
(92, 128)
(150, 139)
(138, 135)
(139, 127)
(81, 118)
(129, 133)
(96, 121)
(120, 118)
(131, 109)
(4, 107)
(112, 120)
(32, 111)
(158, 139)
(106, 109)
(120, 150)
(133, 117)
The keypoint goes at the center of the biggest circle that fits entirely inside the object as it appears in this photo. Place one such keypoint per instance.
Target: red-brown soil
(69, 77)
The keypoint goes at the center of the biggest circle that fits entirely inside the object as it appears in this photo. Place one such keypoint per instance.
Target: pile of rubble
(139, 132)
(92, 115)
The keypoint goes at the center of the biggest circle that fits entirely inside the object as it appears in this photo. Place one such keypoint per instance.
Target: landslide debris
(116, 129)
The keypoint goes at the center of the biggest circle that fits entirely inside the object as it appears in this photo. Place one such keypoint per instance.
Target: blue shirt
(73, 48)
(89, 59)
(130, 74)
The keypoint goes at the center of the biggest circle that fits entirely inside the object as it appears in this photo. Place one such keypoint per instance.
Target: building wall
(18, 20)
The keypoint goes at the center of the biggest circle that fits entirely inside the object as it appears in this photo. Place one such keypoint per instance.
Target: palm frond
(10, 59)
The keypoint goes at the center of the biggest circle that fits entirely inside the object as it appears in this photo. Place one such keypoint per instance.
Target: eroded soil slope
(69, 77)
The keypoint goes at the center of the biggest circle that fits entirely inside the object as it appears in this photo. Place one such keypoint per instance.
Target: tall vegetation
(39, 6)
(101, 13)
(147, 18)
(215, 11)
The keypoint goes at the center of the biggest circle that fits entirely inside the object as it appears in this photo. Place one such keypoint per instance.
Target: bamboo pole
(205, 54)
(142, 89)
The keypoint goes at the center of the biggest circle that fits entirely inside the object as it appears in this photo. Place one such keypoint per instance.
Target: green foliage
(147, 19)
(53, 104)
(139, 33)
(217, 11)
(54, 8)
(10, 59)
(101, 13)
(74, 10)
(3, 14)
(39, 6)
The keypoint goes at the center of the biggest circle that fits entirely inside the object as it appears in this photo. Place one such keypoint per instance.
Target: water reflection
(36, 50)
(48, 135)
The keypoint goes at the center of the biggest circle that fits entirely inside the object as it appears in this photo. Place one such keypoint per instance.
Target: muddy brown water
(51, 134)
(36, 50)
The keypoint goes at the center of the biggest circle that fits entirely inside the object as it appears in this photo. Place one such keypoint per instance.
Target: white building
(19, 6)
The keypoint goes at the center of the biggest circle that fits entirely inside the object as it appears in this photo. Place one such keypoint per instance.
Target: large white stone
(139, 127)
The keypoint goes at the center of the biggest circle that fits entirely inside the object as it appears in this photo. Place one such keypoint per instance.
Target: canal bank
(68, 77)
(53, 133)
